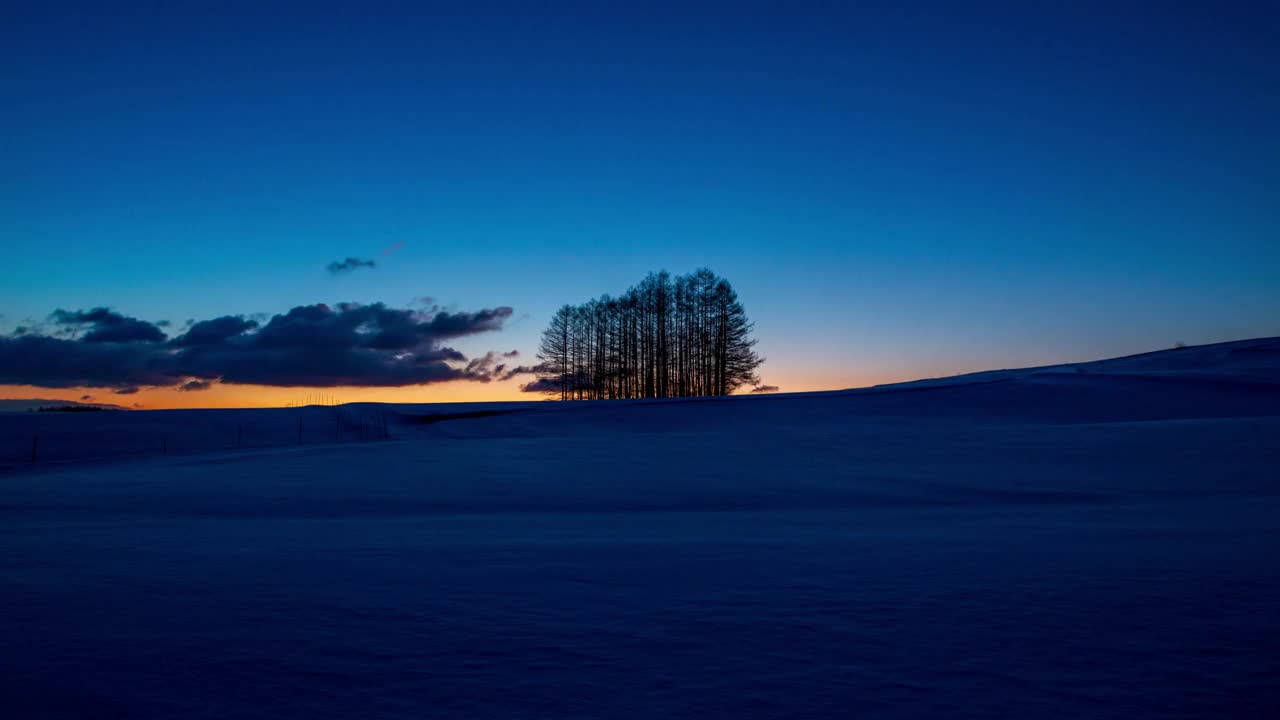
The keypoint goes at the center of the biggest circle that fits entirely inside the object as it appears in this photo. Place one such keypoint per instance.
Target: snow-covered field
(1090, 541)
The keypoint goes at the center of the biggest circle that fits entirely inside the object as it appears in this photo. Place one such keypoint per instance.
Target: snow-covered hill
(1237, 379)
(1093, 540)
(37, 404)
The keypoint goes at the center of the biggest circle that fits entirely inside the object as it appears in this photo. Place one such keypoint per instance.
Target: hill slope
(1048, 542)
(1238, 379)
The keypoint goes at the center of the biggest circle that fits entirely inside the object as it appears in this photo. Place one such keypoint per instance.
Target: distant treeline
(666, 337)
(71, 408)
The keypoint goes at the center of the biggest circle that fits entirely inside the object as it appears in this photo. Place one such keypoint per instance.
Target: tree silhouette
(665, 337)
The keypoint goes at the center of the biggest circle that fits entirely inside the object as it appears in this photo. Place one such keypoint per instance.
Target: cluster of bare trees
(666, 337)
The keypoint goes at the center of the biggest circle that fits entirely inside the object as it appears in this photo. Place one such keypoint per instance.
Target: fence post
(35, 445)
(239, 435)
(299, 431)
(164, 446)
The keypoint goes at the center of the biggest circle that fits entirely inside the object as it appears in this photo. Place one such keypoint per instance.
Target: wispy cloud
(337, 267)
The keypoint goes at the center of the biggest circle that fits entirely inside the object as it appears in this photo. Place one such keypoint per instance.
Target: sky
(896, 190)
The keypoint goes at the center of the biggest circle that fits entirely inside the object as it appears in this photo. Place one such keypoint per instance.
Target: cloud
(550, 383)
(195, 385)
(59, 362)
(216, 331)
(541, 385)
(487, 363)
(344, 266)
(310, 345)
(131, 390)
(524, 370)
(348, 344)
(393, 248)
(764, 389)
(454, 325)
(86, 397)
(102, 325)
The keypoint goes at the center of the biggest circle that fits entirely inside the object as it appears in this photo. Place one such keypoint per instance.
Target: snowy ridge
(1237, 379)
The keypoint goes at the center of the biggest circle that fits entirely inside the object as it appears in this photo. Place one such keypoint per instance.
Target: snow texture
(1094, 540)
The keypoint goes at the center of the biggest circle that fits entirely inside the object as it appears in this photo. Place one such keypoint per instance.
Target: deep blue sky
(894, 190)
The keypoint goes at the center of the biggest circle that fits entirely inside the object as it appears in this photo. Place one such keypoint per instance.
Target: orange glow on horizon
(461, 391)
(252, 396)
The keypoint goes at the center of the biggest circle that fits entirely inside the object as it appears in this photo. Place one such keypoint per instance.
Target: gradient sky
(896, 190)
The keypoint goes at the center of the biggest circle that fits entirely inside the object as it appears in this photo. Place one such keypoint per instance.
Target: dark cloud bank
(311, 345)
